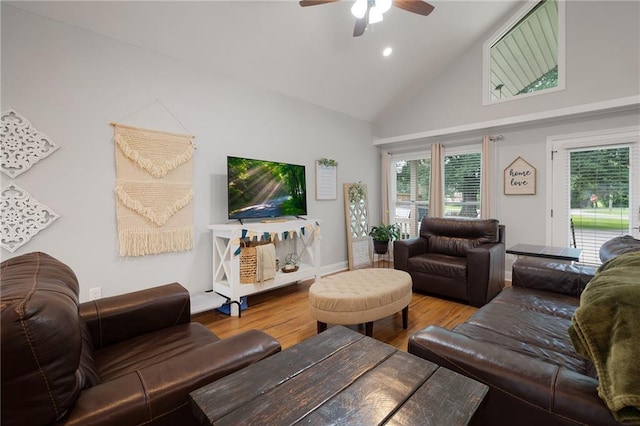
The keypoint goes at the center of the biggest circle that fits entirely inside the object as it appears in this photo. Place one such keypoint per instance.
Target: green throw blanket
(606, 329)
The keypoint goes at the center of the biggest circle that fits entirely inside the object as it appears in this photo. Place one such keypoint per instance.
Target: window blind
(598, 198)
(462, 196)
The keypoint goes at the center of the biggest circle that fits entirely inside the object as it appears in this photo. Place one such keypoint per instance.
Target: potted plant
(381, 235)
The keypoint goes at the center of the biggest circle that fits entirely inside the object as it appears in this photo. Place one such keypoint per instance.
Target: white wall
(602, 63)
(71, 83)
(526, 216)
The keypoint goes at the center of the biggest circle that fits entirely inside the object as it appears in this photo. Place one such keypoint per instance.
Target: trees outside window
(412, 177)
(462, 185)
(603, 173)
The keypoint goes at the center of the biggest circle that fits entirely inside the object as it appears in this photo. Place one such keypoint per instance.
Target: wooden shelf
(294, 236)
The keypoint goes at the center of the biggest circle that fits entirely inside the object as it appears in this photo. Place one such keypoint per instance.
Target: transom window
(526, 56)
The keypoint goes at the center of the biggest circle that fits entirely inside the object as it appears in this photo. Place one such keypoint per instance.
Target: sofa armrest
(547, 275)
(160, 389)
(117, 318)
(520, 386)
(485, 273)
(404, 249)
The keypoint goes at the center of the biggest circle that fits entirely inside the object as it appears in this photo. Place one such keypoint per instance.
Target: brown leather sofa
(123, 360)
(462, 259)
(519, 345)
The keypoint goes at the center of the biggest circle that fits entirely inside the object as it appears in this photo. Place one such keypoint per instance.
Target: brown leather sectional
(518, 344)
(462, 259)
(123, 360)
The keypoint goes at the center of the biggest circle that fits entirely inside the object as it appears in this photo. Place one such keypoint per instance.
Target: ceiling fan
(370, 11)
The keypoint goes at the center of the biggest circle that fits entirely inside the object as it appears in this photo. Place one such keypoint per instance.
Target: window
(526, 56)
(411, 198)
(462, 184)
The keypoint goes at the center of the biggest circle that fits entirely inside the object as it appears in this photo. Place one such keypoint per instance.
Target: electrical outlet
(95, 293)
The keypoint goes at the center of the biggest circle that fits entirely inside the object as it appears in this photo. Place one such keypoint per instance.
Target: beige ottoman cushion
(360, 296)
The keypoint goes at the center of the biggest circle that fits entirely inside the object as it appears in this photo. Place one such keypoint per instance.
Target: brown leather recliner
(126, 360)
(462, 259)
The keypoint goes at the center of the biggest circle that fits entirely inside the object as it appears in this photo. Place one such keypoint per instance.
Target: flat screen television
(261, 189)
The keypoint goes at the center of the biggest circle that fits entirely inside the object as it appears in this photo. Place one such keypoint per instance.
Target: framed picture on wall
(520, 178)
(326, 180)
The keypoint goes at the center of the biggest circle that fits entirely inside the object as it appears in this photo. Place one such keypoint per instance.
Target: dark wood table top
(548, 252)
(340, 377)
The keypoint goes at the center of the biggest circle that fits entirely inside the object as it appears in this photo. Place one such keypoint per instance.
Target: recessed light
(387, 51)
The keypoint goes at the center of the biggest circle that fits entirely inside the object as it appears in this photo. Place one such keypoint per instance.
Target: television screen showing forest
(259, 188)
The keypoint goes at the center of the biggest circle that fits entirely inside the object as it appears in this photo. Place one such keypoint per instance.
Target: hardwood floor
(284, 314)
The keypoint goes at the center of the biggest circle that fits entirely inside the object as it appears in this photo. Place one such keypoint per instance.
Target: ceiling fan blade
(415, 6)
(361, 25)
(305, 3)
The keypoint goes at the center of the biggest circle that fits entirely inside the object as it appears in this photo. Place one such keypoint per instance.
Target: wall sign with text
(326, 182)
(520, 178)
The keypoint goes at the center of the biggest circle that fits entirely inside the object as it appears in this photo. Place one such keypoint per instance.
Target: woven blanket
(605, 329)
(154, 191)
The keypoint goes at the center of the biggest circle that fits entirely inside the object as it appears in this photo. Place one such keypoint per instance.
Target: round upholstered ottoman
(360, 297)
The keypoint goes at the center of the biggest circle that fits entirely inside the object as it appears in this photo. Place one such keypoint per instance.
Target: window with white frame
(526, 56)
(462, 182)
(411, 175)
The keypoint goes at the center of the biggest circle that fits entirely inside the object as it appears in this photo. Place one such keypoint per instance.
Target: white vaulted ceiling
(306, 53)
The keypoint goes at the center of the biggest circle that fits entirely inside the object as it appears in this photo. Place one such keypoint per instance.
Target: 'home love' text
(519, 177)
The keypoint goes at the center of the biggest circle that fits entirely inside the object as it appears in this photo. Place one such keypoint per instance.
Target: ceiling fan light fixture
(383, 5)
(375, 15)
(359, 8)
(371, 11)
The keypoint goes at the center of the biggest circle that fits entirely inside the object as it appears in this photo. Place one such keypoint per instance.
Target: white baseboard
(333, 268)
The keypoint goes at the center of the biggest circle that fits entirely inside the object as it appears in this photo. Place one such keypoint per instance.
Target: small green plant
(385, 232)
(327, 162)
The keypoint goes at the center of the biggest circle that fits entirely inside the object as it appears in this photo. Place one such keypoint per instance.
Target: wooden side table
(547, 252)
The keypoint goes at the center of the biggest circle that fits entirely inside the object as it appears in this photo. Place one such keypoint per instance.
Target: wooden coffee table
(340, 377)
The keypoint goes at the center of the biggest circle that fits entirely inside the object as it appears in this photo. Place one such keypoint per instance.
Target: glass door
(595, 191)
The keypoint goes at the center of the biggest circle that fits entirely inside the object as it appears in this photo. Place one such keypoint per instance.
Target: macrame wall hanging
(154, 191)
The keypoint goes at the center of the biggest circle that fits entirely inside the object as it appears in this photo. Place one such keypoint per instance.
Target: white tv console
(290, 236)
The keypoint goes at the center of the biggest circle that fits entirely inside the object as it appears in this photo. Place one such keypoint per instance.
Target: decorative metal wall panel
(22, 217)
(22, 145)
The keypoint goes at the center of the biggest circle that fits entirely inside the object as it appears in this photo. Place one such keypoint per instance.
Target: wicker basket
(249, 261)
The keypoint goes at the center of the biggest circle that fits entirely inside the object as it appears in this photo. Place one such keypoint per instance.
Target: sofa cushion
(39, 368)
(540, 301)
(439, 264)
(151, 348)
(87, 369)
(617, 246)
(520, 320)
(457, 237)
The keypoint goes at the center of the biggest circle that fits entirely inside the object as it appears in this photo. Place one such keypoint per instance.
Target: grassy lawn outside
(603, 218)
